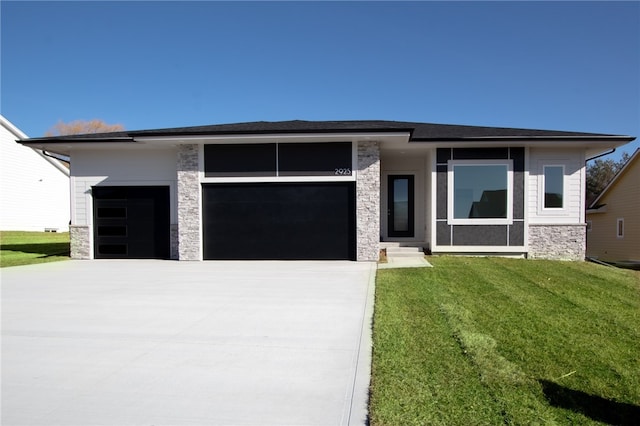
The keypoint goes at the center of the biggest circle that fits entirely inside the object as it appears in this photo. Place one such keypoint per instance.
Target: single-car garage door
(279, 221)
(131, 222)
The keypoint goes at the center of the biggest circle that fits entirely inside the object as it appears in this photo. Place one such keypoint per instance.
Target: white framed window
(553, 187)
(480, 192)
(620, 227)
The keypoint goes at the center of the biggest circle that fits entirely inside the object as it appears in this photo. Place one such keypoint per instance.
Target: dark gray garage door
(279, 221)
(131, 222)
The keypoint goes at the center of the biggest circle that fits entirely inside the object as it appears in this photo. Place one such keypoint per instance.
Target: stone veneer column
(189, 221)
(80, 242)
(557, 242)
(368, 202)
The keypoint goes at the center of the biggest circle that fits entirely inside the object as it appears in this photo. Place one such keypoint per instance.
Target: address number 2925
(343, 172)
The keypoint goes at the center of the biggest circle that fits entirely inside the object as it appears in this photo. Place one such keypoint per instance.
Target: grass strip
(25, 248)
(528, 342)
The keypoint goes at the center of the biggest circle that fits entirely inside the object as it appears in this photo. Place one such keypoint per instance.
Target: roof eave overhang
(64, 146)
(276, 137)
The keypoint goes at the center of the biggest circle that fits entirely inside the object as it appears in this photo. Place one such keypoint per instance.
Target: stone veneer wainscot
(80, 242)
(560, 242)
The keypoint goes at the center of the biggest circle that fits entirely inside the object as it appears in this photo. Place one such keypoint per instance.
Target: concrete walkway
(405, 262)
(186, 343)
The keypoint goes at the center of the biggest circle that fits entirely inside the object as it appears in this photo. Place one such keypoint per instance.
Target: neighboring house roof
(634, 157)
(21, 136)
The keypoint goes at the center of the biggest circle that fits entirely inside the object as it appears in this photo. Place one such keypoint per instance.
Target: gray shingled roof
(419, 131)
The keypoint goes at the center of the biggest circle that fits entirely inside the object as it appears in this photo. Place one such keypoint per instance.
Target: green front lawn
(24, 248)
(487, 341)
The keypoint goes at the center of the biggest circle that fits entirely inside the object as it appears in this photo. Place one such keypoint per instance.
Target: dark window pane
(480, 192)
(240, 160)
(401, 205)
(112, 248)
(553, 187)
(315, 159)
(112, 212)
(112, 231)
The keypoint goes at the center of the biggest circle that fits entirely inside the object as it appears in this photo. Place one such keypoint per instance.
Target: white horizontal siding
(119, 167)
(573, 162)
(34, 193)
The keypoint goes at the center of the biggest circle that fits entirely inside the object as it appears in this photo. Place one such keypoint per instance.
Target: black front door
(400, 217)
(131, 222)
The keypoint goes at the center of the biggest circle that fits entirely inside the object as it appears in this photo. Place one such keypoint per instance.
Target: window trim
(451, 220)
(543, 211)
(543, 192)
(620, 228)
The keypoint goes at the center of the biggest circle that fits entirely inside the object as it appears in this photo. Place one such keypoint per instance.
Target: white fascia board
(12, 128)
(270, 138)
(591, 145)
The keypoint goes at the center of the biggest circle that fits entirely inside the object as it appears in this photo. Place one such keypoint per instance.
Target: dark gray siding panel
(441, 195)
(517, 155)
(480, 235)
(516, 234)
(480, 153)
(443, 155)
(443, 234)
(518, 195)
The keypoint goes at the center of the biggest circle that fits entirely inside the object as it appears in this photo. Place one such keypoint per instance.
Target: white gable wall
(574, 170)
(119, 167)
(34, 190)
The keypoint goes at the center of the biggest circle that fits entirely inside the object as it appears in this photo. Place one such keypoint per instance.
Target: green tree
(600, 172)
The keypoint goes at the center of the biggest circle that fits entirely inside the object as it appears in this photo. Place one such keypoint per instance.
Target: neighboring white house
(328, 190)
(34, 188)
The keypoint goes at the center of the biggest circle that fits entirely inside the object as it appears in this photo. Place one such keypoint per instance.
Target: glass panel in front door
(400, 202)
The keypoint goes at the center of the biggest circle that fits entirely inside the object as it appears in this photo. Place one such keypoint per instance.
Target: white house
(328, 190)
(34, 188)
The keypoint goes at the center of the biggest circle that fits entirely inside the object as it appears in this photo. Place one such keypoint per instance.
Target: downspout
(601, 155)
(66, 160)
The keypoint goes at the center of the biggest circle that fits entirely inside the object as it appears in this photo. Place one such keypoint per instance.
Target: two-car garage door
(279, 221)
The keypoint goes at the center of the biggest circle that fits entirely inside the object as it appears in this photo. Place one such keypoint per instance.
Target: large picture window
(480, 192)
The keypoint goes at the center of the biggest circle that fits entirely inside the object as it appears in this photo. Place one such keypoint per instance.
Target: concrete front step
(404, 252)
(404, 249)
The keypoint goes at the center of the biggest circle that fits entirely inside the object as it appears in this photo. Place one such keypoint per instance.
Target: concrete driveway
(186, 343)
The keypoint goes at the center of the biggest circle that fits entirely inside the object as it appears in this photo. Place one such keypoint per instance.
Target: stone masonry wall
(368, 202)
(173, 236)
(80, 241)
(189, 221)
(559, 242)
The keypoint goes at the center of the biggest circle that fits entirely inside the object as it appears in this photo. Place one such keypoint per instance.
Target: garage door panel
(131, 222)
(279, 221)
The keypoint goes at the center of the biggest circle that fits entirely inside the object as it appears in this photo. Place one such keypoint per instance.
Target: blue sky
(542, 65)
